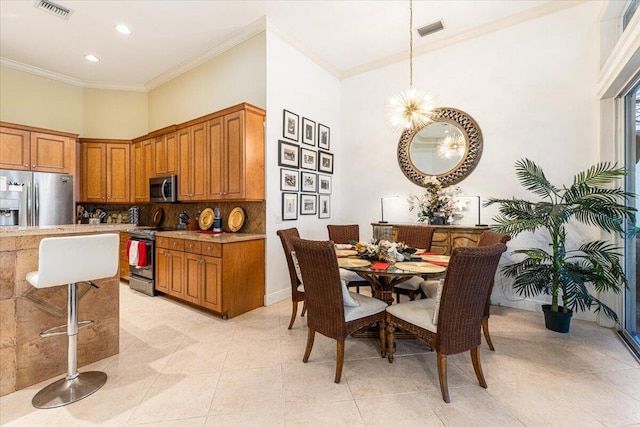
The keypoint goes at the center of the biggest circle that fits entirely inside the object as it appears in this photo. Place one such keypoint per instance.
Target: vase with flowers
(384, 250)
(437, 205)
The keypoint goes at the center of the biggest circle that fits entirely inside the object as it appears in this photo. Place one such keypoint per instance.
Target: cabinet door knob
(33, 166)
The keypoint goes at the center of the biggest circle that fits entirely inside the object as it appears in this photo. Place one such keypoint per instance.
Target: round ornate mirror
(448, 148)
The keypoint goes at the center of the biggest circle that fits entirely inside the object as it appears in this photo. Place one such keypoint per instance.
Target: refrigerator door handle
(36, 202)
(29, 216)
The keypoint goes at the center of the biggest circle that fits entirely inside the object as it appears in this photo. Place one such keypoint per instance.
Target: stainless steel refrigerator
(35, 198)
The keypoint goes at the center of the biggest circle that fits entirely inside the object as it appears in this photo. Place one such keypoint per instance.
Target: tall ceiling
(346, 37)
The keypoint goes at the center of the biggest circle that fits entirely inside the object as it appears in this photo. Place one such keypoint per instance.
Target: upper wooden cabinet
(192, 175)
(142, 168)
(166, 154)
(38, 150)
(236, 155)
(105, 176)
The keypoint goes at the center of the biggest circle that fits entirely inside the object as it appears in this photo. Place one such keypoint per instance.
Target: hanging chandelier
(412, 108)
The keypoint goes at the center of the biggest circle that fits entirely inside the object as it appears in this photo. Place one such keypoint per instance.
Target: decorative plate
(236, 219)
(420, 267)
(206, 219)
(346, 252)
(352, 262)
(157, 216)
(436, 258)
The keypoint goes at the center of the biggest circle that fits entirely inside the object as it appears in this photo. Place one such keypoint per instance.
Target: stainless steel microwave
(163, 189)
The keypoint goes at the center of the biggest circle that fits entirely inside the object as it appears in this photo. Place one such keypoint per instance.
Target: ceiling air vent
(55, 9)
(431, 28)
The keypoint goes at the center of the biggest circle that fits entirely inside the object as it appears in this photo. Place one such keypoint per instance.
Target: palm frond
(533, 179)
(605, 309)
(602, 173)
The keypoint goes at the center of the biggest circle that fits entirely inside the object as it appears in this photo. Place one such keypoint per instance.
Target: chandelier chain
(410, 43)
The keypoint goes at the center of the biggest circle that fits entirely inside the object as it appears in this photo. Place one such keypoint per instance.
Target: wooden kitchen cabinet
(236, 155)
(105, 171)
(37, 150)
(227, 278)
(445, 237)
(170, 266)
(142, 168)
(192, 151)
(166, 155)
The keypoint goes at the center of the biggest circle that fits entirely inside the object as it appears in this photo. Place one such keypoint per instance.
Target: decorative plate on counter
(157, 216)
(236, 219)
(206, 219)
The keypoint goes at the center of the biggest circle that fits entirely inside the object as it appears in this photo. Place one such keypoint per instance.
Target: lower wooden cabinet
(227, 278)
(445, 237)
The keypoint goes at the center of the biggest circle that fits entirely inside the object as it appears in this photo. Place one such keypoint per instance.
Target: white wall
(33, 100)
(299, 85)
(235, 76)
(531, 88)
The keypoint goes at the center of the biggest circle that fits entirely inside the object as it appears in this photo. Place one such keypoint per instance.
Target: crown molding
(519, 18)
(10, 63)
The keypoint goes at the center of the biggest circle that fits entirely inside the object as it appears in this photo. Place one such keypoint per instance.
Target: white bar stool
(71, 260)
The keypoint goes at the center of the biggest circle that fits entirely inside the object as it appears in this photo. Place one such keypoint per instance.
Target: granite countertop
(16, 231)
(216, 238)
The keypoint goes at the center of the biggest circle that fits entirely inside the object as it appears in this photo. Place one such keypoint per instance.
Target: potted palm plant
(559, 271)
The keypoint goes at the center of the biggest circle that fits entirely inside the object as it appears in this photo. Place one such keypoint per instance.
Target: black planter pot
(556, 321)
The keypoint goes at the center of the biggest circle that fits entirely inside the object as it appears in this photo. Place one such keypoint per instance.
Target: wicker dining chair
(451, 324)
(327, 314)
(415, 236)
(343, 234)
(297, 288)
(487, 238)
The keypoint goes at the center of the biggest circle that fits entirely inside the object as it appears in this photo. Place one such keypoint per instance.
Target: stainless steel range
(142, 278)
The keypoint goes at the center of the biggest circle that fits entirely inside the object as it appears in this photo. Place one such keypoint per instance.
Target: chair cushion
(367, 307)
(347, 298)
(436, 308)
(300, 288)
(350, 276)
(412, 284)
(32, 278)
(430, 287)
(296, 266)
(418, 312)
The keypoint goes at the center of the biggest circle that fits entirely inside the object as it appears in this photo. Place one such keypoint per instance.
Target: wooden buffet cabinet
(225, 274)
(38, 150)
(445, 237)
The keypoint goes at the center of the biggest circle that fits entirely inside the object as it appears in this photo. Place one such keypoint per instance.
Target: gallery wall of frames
(306, 167)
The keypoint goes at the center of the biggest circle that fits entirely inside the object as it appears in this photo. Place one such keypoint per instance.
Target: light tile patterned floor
(181, 367)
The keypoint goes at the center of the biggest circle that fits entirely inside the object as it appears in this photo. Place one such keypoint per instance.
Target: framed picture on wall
(308, 131)
(323, 136)
(308, 204)
(308, 180)
(308, 159)
(290, 125)
(288, 154)
(324, 203)
(324, 184)
(325, 162)
(289, 180)
(289, 206)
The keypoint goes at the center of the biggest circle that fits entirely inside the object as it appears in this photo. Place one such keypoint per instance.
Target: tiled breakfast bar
(25, 357)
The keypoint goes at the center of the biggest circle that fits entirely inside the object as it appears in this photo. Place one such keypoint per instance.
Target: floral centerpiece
(384, 250)
(436, 204)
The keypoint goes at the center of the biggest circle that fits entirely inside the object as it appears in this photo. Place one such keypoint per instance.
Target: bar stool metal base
(65, 391)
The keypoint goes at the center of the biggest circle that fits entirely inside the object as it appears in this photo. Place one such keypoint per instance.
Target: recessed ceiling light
(92, 58)
(121, 28)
